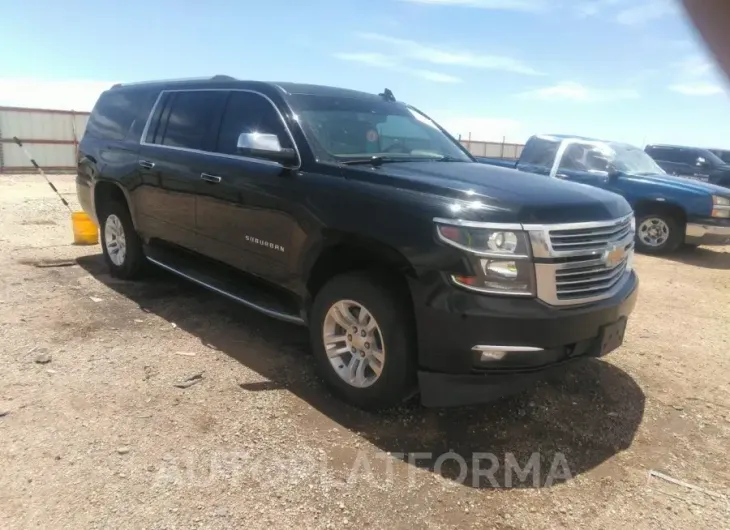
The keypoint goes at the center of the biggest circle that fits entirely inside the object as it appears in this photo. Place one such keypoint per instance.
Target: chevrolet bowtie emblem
(614, 256)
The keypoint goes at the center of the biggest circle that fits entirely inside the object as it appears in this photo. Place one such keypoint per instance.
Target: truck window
(579, 157)
(398, 129)
(539, 152)
(191, 118)
(115, 112)
(248, 112)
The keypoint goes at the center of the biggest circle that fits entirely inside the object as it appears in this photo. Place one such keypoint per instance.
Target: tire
(662, 221)
(390, 307)
(130, 263)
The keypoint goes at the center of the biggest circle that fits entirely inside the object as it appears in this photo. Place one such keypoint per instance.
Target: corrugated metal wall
(50, 136)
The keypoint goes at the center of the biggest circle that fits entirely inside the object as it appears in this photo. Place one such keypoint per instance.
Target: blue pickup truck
(670, 211)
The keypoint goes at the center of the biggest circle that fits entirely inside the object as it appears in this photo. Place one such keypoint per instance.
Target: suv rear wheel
(120, 243)
(658, 233)
(361, 330)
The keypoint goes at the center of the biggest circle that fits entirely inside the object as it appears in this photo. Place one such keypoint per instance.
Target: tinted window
(191, 118)
(117, 111)
(539, 152)
(665, 154)
(247, 112)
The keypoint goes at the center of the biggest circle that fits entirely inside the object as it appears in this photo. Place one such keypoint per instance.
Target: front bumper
(708, 231)
(451, 322)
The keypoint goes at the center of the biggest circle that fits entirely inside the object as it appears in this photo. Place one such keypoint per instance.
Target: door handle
(561, 176)
(215, 179)
(146, 164)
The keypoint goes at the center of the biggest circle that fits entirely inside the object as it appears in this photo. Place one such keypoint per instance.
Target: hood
(505, 195)
(682, 184)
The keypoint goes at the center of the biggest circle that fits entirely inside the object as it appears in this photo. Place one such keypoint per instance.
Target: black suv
(691, 162)
(414, 266)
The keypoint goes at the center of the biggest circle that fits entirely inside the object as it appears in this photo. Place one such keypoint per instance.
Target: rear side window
(117, 111)
(248, 112)
(190, 118)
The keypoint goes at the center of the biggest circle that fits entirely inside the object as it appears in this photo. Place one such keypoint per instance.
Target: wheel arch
(647, 206)
(105, 190)
(342, 252)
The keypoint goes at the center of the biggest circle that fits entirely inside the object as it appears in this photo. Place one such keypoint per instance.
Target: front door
(171, 159)
(245, 208)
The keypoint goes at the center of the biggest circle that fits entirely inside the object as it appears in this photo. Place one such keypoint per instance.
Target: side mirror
(701, 162)
(265, 146)
(612, 172)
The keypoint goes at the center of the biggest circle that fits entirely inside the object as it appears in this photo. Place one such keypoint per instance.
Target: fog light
(503, 269)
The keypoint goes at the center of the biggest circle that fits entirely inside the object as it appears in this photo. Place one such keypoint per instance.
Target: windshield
(343, 128)
(630, 159)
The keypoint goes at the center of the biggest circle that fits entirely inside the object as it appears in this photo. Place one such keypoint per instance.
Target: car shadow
(703, 257)
(563, 427)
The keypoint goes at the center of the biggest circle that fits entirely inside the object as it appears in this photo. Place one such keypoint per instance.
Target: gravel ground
(95, 434)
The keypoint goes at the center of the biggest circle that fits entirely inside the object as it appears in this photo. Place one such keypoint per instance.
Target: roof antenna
(387, 95)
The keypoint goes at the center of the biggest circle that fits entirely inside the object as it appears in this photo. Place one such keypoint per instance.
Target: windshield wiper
(377, 160)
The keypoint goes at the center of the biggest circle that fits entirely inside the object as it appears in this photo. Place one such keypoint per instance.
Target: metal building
(51, 137)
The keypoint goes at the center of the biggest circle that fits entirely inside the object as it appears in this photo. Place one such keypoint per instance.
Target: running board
(227, 283)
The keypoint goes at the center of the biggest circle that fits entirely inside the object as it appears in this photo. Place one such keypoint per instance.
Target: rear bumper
(456, 327)
(708, 231)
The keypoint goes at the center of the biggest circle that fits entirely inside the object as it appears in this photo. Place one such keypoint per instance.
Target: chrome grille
(582, 281)
(587, 239)
(582, 262)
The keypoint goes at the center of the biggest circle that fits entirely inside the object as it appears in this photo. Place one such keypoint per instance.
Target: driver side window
(583, 158)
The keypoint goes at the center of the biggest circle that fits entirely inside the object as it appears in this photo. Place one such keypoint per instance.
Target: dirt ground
(95, 434)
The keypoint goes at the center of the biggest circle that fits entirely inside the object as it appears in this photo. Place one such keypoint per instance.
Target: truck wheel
(362, 335)
(658, 233)
(120, 243)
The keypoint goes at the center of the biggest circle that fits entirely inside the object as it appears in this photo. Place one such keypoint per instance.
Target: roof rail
(217, 77)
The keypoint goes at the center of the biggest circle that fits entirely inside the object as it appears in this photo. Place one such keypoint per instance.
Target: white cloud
(696, 76)
(647, 11)
(416, 51)
(701, 88)
(572, 91)
(379, 60)
(502, 5)
(695, 66)
(65, 95)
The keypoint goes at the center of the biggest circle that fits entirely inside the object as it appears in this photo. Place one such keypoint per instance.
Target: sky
(624, 70)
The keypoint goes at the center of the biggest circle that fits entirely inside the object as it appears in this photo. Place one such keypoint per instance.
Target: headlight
(485, 242)
(499, 258)
(720, 206)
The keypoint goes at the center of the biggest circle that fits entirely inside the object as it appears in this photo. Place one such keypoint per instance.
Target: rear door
(245, 212)
(172, 157)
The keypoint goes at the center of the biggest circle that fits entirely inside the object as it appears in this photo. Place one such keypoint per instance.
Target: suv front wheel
(361, 332)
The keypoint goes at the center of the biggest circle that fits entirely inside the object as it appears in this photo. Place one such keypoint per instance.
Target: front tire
(120, 243)
(363, 339)
(658, 233)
